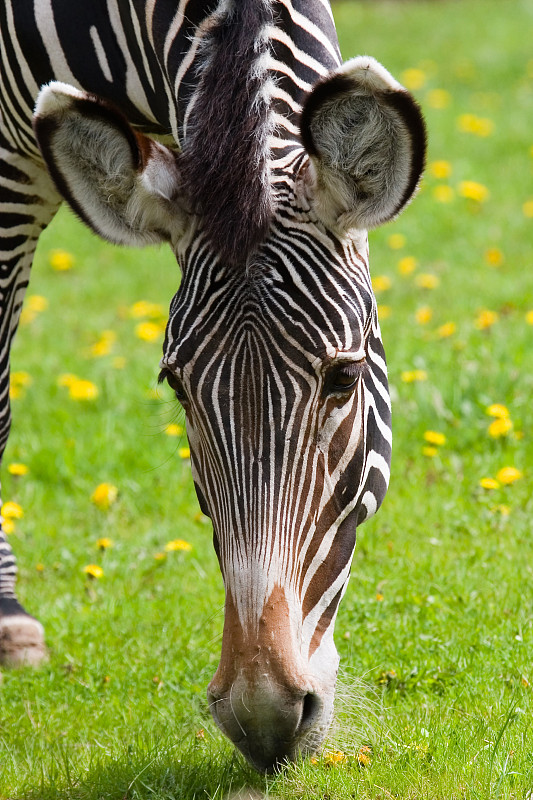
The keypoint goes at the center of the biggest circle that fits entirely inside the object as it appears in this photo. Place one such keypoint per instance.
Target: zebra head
(276, 356)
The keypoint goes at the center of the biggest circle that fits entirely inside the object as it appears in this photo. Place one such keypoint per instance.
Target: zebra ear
(366, 138)
(121, 183)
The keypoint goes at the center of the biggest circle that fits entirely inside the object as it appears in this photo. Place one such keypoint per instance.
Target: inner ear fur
(122, 184)
(366, 138)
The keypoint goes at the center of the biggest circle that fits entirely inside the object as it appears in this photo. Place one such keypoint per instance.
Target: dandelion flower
(509, 475)
(414, 376)
(440, 169)
(497, 410)
(472, 190)
(333, 758)
(36, 303)
(529, 317)
(144, 308)
(396, 241)
(486, 319)
(184, 452)
(173, 430)
(177, 544)
(67, 379)
(438, 99)
(160, 556)
(104, 495)
(61, 260)
(93, 571)
(364, 756)
(446, 330)
(494, 257)
(381, 283)
(413, 78)
(8, 526)
(17, 469)
(479, 126)
(104, 543)
(423, 315)
(11, 510)
(379, 597)
(489, 483)
(82, 390)
(443, 194)
(500, 427)
(527, 208)
(407, 265)
(149, 331)
(21, 379)
(429, 451)
(384, 312)
(39, 567)
(427, 280)
(434, 437)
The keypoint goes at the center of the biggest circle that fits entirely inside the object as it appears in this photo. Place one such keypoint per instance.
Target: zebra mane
(224, 162)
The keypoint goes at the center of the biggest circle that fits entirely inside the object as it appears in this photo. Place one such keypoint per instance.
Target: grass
(437, 622)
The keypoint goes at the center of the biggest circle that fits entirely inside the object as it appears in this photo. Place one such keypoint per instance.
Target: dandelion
(407, 265)
(160, 556)
(103, 346)
(61, 260)
(489, 483)
(493, 257)
(39, 567)
(364, 756)
(173, 430)
(438, 99)
(93, 571)
(149, 331)
(527, 208)
(440, 169)
(443, 194)
(529, 317)
(486, 319)
(435, 438)
(66, 379)
(430, 451)
(497, 410)
(184, 452)
(384, 312)
(423, 315)
(502, 509)
(414, 376)
(413, 78)
(8, 526)
(381, 283)
(104, 543)
(427, 280)
(472, 190)
(335, 757)
(21, 379)
(144, 308)
(104, 495)
(500, 427)
(396, 241)
(479, 126)
(508, 475)
(82, 390)
(36, 302)
(446, 330)
(17, 469)
(178, 544)
(11, 510)
(379, 597)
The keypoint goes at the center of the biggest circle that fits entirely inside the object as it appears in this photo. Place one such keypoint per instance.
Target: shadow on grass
(210, 772)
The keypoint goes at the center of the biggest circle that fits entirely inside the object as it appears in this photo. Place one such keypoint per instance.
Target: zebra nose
(269, 726)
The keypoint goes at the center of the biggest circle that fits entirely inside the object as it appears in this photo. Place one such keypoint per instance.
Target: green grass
(437, 619)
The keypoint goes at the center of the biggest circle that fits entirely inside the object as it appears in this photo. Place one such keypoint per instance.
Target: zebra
(232, 130)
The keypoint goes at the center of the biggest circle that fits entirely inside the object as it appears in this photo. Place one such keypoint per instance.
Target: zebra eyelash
(342, 378)
(174, 383)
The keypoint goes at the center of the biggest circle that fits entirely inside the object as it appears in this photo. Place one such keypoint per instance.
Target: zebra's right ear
(122, 184)
(366, 139)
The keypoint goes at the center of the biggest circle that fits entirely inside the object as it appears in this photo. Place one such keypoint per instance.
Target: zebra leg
(28, 202)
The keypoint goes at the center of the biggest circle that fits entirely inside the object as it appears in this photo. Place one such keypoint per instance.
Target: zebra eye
(174, 383)
(343, 377)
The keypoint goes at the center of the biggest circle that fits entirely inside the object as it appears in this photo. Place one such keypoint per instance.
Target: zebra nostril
(311, 712)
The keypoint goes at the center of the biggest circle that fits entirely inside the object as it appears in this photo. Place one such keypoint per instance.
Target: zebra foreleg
(27, 203)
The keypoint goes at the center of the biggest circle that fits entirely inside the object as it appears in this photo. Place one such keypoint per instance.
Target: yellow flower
(36, 302)
(429, 451)
(396, 241)
(173, 430)
(413, 78)
(384, 312)
(500, 427)
(104, 495)
(39, 567)
(529, 317)
(82, 390)
(177, 544)
(502, 509)
(364, 756)
(336, 757)
(509, 475)
(479, 126)
(448, 329)
(440, 169)
(20, 379)
(67, 379)
(17, 469)
(423, 315)
(144, 308)
(443, 194)
(184, 452)
(474, 191)
(160, 556)
(104, 543)
(427, 280)
(381, 282)
(8, 526)
(149, 331)
(494, 257)
(93, 571)
(414, 375)
(104, 344)
(497, 410)
(11, 510)
(407, 265)
(439, 98)
(486, 319)
(434, 437)
(489, 483)
(379, 597)
(527, 208)
(61, 260)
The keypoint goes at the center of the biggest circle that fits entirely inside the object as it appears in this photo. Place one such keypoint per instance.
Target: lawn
(436, 629)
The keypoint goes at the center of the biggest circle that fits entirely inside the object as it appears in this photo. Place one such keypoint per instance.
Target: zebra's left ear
(366, 138)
